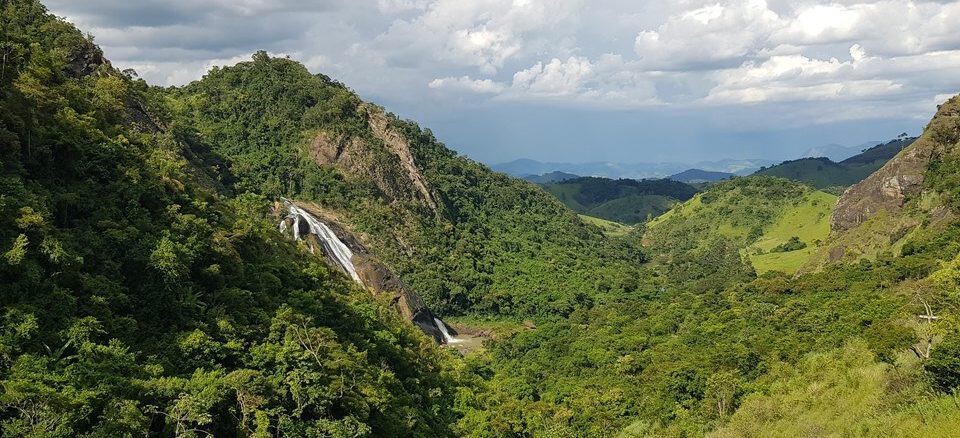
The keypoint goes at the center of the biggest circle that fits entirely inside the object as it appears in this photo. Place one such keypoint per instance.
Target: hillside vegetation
(467, 239)
(751, 216)
(626, 201)
(145, 290)
(142, 295)
(826, 174)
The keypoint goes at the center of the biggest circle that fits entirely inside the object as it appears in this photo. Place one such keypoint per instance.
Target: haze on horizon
(571, 80)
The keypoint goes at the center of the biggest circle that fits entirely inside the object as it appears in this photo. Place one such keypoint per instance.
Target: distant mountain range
(825, 173)
(526, 167)
(838, 152)
(700, 176)
(550, 177)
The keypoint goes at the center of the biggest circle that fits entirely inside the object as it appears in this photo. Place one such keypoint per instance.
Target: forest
(145, 289)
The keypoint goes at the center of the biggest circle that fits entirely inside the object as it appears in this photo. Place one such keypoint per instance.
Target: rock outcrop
(901, 179)
(384, 158)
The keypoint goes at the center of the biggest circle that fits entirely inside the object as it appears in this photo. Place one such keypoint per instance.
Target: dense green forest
(828, 175)
(141, 295)
(627, 201)
(145, 289)
(473, 242)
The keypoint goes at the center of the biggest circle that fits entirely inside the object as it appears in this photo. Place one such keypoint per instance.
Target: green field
(808, 220)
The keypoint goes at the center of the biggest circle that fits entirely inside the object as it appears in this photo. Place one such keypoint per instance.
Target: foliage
(495, 245)
(145, 290)
(140, 296)
(794, 244)
(825, 174)
(626, 201)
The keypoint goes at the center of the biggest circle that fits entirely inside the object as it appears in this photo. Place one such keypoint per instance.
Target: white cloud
(822, 56)
(709, 37)
(556, 78)
(465, 83)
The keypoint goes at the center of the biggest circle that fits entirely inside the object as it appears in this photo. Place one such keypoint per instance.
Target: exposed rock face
(901, 179)
(399, 146)
(84, 60)
(389, 165)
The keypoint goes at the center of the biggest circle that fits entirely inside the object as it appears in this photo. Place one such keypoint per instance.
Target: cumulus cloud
(465, 83)
(840, 56)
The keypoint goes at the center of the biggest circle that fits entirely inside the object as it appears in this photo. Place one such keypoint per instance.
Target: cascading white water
(338, 250)
(443, 329)
(334, 246)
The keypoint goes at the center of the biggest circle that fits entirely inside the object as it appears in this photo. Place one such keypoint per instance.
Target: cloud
(758, 63)
(465, 83)
(483, 33)
(713, 36)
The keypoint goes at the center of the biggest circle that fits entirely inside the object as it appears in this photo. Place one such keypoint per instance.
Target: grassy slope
(809, 220)
(610, 228)
(754, 225)
(848, 393)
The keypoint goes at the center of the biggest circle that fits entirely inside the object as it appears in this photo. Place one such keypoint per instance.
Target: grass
(808, 219)
(845, 392)
(609, 228)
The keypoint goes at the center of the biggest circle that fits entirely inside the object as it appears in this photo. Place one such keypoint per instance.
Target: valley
(260, 252)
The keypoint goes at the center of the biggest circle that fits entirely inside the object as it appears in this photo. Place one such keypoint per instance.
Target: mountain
(836, 152)
(912, 193)
(824, 173)
(525, 167)
(699, 176)
(453, 230)
(145, 292)
(262, 253)
(625, 201)
(551, 177)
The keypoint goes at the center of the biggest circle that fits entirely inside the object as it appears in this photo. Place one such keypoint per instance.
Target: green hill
(143, 294)
(752, 215)
(700, 176)
(626, 201)
(551, 177)
(146, 291)
(825, 174)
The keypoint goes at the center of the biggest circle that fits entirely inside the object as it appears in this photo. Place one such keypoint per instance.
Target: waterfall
(340, 253)
(443, 329)
(337, 250)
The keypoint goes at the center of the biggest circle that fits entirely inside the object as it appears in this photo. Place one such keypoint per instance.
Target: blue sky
(578, 80)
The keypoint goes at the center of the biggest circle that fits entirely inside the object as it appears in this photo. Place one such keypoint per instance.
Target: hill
(699, 176)
(913, 193)
(753, 216)
(146, 290)
(625, 201)
(143, 293)
(836, 152)
(823, 173)
(465, 238)
(550, 177)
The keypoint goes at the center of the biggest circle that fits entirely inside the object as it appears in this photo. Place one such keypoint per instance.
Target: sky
(578, 80)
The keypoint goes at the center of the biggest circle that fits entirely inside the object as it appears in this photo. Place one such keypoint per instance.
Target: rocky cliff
(908, 192)
(901, 179)
(384, 157)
